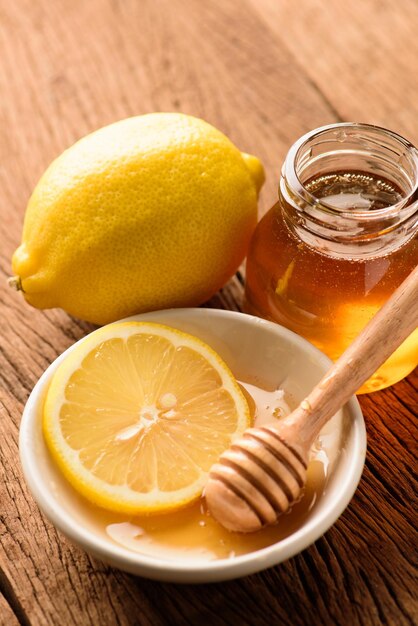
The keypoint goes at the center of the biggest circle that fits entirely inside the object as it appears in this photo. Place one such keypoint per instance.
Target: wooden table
(264, 72)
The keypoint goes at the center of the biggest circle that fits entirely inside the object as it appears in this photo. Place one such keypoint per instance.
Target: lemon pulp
(138, 412)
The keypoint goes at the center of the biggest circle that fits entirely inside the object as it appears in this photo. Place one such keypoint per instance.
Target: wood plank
(7, 615)
(235, 81)
(361, 58)
(69, 67)
(68, 84)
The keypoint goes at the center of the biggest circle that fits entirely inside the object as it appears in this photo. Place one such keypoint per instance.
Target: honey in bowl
(191, 533)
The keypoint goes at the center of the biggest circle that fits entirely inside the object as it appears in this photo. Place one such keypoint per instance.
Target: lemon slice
(138, 412)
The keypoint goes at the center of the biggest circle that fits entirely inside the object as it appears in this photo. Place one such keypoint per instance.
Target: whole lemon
(151, 212)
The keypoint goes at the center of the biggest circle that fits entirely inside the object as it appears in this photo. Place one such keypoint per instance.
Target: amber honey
(325, 299)
(339, 242)
(191, 533)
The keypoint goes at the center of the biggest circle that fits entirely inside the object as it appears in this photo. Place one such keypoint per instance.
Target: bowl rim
(195, 570)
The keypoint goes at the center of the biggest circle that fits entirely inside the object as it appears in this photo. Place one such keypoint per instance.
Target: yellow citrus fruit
(137, 413)
(151, 212)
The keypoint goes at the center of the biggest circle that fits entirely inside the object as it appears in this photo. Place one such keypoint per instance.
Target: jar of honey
(340, 240)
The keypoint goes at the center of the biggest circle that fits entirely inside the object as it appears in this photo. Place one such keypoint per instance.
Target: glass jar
(340, 240)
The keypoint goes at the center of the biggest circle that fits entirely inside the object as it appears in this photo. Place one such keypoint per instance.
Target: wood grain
(359, 58)
(7, 616)
(264, 72)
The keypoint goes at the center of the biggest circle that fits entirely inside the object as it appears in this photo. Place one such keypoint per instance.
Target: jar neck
(326, 224)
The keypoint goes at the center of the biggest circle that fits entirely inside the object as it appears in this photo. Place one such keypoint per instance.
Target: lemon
(137, 413)
(151, 212)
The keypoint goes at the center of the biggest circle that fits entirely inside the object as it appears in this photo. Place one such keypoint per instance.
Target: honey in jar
(339, 241)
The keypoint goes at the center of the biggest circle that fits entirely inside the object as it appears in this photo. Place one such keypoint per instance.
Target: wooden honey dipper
(264, 472)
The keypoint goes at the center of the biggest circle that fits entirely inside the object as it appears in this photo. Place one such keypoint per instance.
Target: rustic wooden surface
(263, 71)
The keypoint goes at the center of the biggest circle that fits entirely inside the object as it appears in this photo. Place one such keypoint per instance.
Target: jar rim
(299, 189)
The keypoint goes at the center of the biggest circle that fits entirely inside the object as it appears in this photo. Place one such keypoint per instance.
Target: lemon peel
(151, 212)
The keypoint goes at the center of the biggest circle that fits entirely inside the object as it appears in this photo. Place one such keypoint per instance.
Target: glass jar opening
(351, 184)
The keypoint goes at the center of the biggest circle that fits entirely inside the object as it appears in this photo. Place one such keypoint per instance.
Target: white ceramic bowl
(253, 348)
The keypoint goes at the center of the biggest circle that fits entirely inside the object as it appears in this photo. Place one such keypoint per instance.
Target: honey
(326, 257)
(191, 533)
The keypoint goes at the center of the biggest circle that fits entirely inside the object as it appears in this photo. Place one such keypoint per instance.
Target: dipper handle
(385, 332)
(264, 472)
